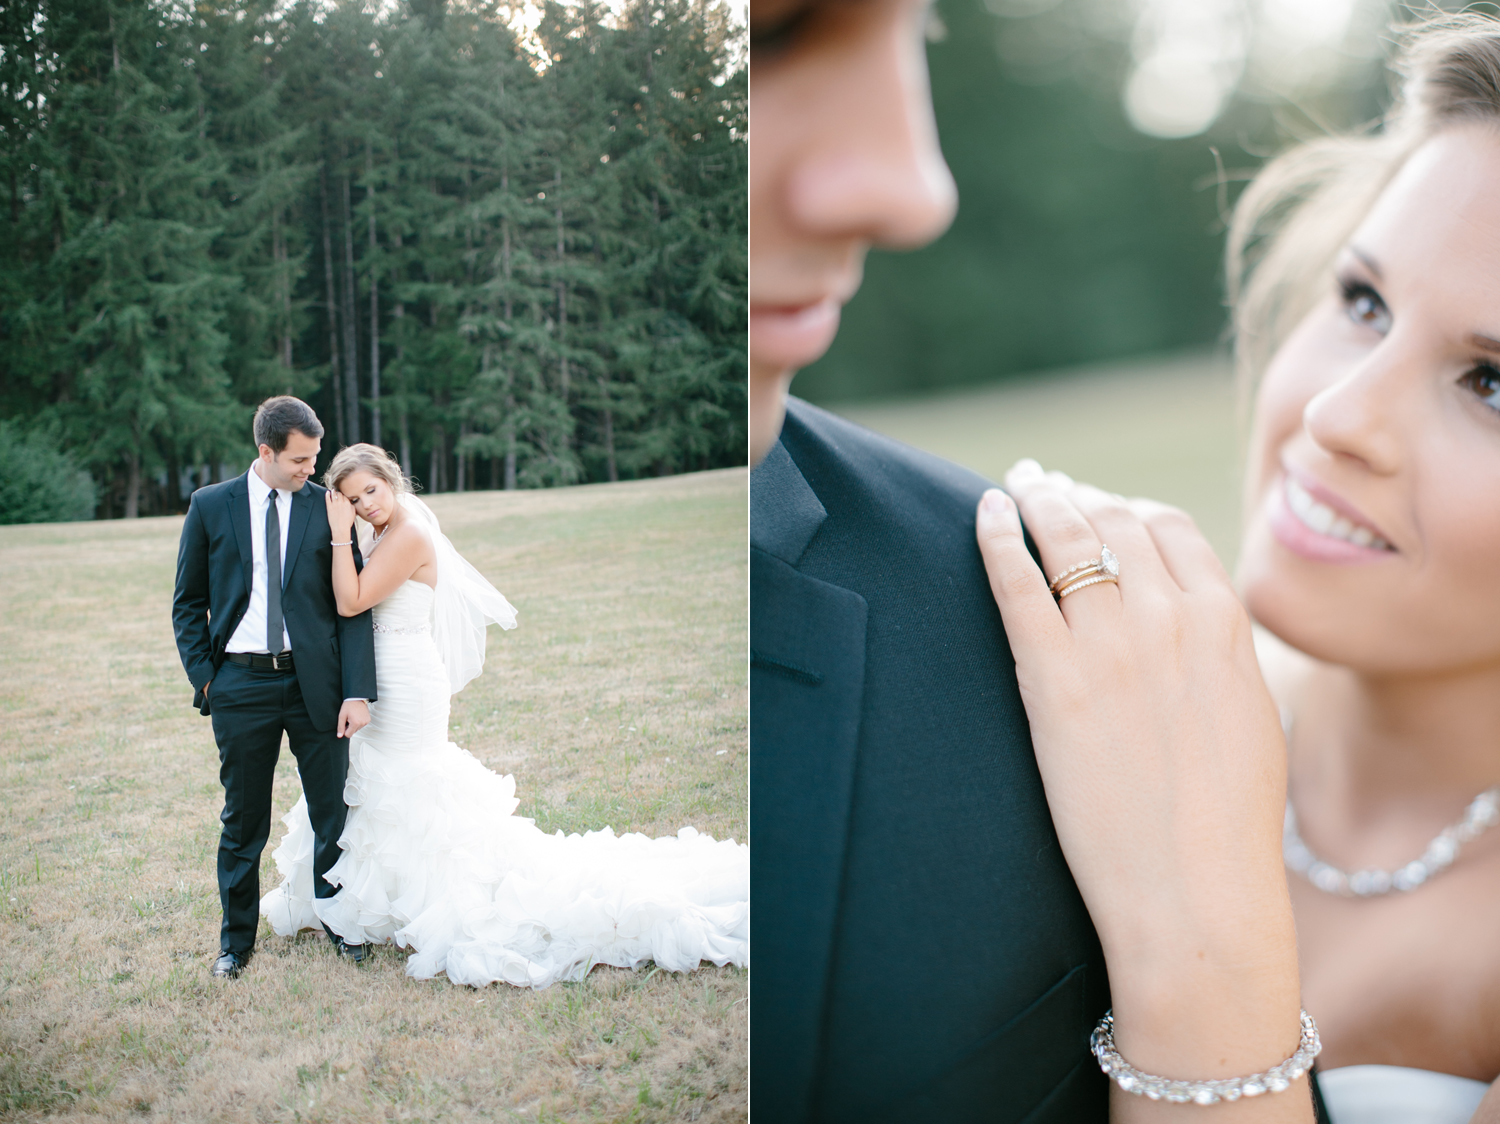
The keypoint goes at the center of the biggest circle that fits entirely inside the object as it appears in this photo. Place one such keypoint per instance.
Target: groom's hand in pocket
(354, 716)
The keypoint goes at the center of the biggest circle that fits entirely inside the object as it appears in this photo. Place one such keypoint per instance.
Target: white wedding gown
(435, 859)
(1390, 1094)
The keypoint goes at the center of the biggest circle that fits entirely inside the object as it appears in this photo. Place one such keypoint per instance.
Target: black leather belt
(282, 661)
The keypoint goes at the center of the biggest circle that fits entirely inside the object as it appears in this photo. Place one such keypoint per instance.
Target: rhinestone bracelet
(1274, 1080)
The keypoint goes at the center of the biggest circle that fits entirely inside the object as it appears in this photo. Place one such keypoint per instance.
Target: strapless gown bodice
(435, 859)
(407, 610)
(1390, 1094)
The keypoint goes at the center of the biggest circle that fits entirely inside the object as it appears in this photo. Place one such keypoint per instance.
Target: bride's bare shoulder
(412, 537)
(1283, 666)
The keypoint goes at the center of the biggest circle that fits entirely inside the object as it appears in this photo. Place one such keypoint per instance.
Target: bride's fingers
(1115, 523)
(1184, 551)
(1031, 618)
(1062, 535)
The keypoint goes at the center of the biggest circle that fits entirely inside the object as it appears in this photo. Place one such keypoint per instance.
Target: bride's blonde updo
(367, 458)
(1293, 219)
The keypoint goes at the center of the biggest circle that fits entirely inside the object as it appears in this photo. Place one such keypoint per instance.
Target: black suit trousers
(251, 709)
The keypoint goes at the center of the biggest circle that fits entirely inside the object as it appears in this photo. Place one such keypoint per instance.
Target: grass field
(1166, 428)
(621, 699)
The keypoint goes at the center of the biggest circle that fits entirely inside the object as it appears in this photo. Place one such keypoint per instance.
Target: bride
(433, 857)
(1236, 873)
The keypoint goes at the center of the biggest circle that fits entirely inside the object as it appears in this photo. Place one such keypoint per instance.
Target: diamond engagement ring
(1105, 568)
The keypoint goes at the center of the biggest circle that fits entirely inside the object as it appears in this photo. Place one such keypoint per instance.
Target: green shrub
(39, 483)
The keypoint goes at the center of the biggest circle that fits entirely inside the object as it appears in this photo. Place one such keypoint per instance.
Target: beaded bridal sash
(420, 630)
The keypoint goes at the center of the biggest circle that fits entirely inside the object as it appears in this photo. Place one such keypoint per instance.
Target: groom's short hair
(278, 418)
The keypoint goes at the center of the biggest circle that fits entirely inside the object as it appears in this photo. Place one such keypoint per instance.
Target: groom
(922, 952)
(266, 651)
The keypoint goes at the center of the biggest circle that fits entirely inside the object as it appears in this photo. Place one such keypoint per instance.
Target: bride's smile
(1310, 520)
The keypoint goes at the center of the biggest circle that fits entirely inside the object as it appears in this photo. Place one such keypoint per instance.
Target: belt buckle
(276, 664)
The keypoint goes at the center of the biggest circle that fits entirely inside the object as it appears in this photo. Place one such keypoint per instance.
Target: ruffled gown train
(435, 859)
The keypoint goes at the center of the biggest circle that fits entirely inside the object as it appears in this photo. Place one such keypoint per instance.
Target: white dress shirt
(250, 636)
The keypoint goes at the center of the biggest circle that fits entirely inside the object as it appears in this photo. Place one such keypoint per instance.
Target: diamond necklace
(1481, 815)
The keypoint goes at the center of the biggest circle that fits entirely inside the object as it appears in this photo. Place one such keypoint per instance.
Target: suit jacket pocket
(1013, 1070)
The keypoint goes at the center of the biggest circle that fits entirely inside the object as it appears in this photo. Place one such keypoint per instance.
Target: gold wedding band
(1105, 568)
(1076, 586)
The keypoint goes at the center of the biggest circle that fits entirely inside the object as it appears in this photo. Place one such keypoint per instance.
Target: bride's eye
(776, 26)
(1484, 381)
(1365, 307)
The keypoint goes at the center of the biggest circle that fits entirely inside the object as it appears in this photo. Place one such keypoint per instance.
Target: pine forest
(513, 256)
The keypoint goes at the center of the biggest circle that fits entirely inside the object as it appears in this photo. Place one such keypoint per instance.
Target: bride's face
(371, 496)
(1373, 489)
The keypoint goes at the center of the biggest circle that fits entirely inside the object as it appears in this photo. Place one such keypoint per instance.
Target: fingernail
(996, 502)
(1026, 467)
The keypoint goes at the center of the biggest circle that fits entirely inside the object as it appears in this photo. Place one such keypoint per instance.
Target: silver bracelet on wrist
(349, 543)
(1274, 1080)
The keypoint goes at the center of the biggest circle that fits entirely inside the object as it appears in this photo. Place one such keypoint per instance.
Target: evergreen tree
(513, 268)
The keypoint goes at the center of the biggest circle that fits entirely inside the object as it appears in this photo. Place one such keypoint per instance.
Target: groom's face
(290, 468)
(844, 155)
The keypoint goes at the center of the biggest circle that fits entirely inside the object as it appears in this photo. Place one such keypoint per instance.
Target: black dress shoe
(353, 952)
(230, 965)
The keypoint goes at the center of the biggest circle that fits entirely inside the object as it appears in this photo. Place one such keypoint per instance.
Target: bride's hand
(1164, 767)
(340, 515)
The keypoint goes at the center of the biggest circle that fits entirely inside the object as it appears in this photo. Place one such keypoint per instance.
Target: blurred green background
(1074, 311)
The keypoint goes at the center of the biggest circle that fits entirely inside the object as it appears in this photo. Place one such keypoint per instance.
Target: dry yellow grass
(621, 699)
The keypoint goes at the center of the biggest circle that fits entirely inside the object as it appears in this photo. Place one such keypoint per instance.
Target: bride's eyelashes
(1364, 305)
(1483, 379)
(772, 37)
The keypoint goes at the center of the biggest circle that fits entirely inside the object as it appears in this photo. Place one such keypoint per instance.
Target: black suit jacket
(921, 950)
(335, 656)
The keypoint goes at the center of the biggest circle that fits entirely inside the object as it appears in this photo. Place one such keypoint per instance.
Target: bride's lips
(792, 336)
(1319, 525)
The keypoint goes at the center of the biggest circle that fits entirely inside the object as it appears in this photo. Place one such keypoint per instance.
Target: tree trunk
(283, 288)
(333, 318)
(510, 398)
(609, 434)
(439, 481)
(374, 307)
(133, 487)
(351, 335)
(510, 444)
(461, 459)
(402, 418)
(562, 300)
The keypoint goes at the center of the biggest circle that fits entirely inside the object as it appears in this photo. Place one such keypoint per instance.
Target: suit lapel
(302, 506)
(807, 640)
(785, 513)
(239, 519)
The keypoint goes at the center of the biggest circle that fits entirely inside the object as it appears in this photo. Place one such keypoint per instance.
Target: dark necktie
(273, 577)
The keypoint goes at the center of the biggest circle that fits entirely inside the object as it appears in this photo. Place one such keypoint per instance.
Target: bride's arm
(403, 551)
(1164, 767)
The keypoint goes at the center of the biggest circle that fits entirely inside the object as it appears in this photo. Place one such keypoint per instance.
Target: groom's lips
(792, 336)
